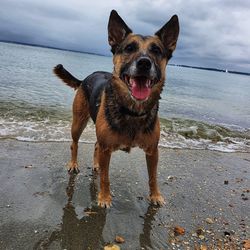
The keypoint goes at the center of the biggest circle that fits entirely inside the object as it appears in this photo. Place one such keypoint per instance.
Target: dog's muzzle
(140, 77)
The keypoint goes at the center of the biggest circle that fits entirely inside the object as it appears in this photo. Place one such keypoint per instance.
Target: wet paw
(73, 168)
(157, 199)
(104, 201)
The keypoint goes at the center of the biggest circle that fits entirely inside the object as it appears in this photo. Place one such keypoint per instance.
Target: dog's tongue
(140, 88)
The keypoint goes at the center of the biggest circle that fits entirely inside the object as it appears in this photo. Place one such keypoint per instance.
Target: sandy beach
(42, 207)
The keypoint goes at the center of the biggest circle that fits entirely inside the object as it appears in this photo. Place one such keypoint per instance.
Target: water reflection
(75, 233)
(149, 217)
(86, 232)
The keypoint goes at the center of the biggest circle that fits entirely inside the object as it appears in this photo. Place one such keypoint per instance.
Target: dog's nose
(144, 63)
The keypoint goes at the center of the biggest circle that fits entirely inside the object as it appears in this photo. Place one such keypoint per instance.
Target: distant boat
(226, 70)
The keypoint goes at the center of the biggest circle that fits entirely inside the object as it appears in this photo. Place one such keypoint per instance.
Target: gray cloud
(213, 33)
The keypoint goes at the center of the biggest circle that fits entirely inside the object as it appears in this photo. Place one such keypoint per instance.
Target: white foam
(59, 131)
(176, 141)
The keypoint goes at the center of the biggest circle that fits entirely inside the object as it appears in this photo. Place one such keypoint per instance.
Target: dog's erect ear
(117, 30)
(168, 34)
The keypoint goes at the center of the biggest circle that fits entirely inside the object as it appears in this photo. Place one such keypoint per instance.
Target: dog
(123, 104)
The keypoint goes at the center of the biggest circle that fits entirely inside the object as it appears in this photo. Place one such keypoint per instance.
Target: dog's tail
(63, 74)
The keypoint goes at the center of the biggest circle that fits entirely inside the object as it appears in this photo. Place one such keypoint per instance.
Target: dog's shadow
(87, 232)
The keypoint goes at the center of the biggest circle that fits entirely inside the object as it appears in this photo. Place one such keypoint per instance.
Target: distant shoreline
(211, 69)
(51, 47)
(97, 54)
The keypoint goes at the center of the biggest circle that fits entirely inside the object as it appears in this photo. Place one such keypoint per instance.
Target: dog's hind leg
(80, 120)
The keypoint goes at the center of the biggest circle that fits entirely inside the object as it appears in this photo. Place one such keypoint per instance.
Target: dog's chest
(128, 122)
(128, 125)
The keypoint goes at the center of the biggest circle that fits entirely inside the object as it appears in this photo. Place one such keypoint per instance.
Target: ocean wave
(175, 133)
(32, 112)
(41, 131)
(192, 134)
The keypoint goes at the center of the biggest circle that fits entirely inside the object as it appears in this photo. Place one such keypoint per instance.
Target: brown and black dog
(124, 104)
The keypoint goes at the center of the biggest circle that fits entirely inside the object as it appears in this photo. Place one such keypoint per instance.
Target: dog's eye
(156, 49)
(132, 47)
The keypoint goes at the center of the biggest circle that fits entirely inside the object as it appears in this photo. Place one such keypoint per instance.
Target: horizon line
(98, 54)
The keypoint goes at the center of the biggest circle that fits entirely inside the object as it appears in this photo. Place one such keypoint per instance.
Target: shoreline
(164, 143)
(175, 134)
(207, 194)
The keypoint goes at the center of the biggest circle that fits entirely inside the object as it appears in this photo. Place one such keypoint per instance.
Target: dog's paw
(73, 168)
(157, 199)
(104, 200)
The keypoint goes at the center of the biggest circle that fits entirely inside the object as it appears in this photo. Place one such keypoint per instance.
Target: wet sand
(42, 207)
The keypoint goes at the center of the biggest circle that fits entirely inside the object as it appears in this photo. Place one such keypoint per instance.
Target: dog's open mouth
(140, 86)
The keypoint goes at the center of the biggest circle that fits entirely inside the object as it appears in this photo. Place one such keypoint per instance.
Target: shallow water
(199, 109)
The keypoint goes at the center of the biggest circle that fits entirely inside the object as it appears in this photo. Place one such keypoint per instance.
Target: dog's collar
(126, 111)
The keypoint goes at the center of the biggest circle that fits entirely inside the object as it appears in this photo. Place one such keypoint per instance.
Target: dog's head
(140, 61)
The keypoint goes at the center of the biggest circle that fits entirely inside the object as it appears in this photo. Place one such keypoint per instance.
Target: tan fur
(109, 141)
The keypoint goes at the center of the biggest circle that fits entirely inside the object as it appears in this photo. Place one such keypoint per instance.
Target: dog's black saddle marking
(93, 86)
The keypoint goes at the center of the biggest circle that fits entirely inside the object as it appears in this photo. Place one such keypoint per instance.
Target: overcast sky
(213, 33)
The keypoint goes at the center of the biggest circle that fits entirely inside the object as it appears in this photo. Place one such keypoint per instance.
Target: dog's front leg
(152, 161)
(104, 196)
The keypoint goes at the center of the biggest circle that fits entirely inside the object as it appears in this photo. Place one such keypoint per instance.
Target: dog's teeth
(148, 83)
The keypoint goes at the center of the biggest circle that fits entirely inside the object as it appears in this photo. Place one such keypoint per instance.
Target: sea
(199, 109)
